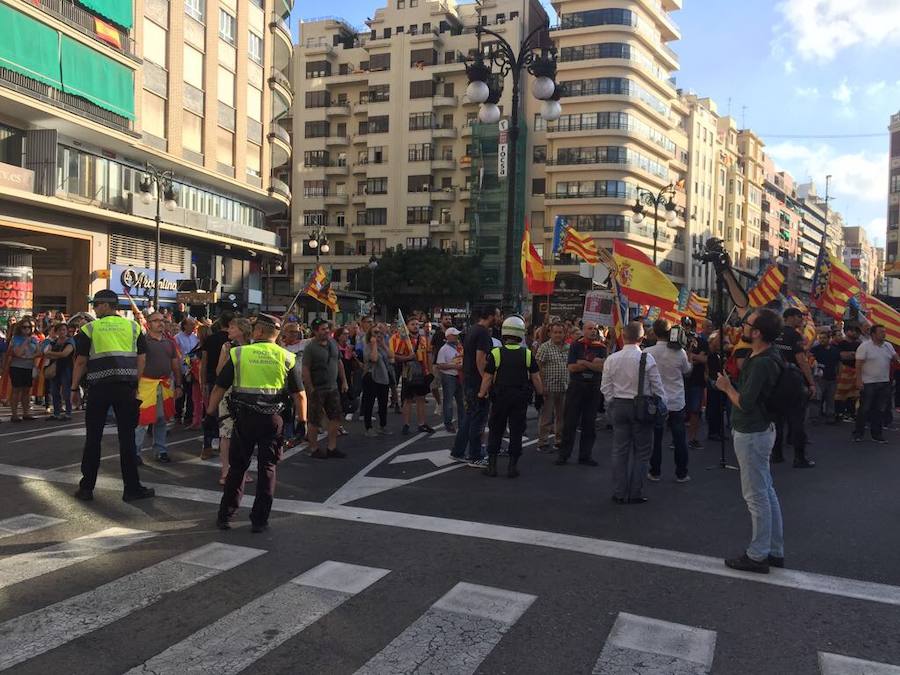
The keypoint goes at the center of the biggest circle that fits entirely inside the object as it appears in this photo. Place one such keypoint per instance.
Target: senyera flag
(767, 288)
(878, 312)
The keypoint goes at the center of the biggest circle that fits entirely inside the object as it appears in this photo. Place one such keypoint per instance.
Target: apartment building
(781, 223)
(622, 126)
(861, 257)
(93, 92)
(892, 239)
(384, 132)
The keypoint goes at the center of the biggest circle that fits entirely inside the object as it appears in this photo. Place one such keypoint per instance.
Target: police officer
(258, 374)
(509, 374)
(111, 351)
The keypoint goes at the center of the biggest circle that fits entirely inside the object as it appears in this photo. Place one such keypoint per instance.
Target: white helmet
(513, 326)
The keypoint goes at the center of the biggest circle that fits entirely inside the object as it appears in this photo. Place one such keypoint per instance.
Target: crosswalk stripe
(837, 664)
(18, 568)
(454, 635)
(237, 640)
(644, 646)
(40, 631)
(27, 522)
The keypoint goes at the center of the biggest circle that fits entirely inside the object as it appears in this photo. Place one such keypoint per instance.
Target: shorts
(409, 391)
(323, 404)
(693, 398)
(20, 378)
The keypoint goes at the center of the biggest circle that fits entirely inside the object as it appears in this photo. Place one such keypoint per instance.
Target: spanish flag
(640, 280)
(833, 285)
(107, 33)
(538, 279)
(580, 245)
(767, 288)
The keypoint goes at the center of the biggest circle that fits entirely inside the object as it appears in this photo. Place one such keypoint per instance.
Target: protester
(847, 392)
(411, 352)
(476, 348)
(552, 357)
(790, 346)
(673, 366)
(377, 366)
(631, 437)
(156, 392)
(210, 351)
(585, 365)
(718, 408)
(186, 408)
(698, 350)
(24, 349)
(447, 365)
(322, 370)
(350, 364)
(240, 333)
(874, 359)
(754, 436)
(828, 355)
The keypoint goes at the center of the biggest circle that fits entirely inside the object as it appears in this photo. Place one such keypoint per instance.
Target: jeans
(581, 411)
(452, 390)
(159, 429)
(829, 387)
(372, 391)
(873, 404)
(676, 422)
(60, 391)
(468, 435)
(630, 451)
(752, 451)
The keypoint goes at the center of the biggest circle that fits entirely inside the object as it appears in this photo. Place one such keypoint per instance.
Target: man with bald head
(585, 364)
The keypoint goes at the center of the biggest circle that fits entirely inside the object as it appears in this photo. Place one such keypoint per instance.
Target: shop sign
(16, 292)
(16, 177)
(138, 281)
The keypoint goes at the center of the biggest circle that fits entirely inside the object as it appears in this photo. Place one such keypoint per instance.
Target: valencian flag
(640, 280)
(696, 307)
(559, 224)
(580, 245)
(538, 279)
(319, 287)
(832, 285)
(767, 288)
(878, 312)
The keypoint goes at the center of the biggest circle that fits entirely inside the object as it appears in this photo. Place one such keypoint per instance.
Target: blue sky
(799, 72)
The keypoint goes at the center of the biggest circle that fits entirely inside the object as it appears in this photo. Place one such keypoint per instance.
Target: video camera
(714, 252)
(683, 335)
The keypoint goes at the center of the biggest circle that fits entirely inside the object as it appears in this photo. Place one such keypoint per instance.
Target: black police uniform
(511, 393)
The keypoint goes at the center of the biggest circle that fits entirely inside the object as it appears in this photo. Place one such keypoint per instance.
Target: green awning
(29, 47)
(91, 75)
(120, 12)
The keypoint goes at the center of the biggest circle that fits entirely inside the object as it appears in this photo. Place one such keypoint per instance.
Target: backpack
(789, 392)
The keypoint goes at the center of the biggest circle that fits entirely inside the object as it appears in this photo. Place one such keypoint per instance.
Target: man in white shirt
(448, 363)
(873, 379)
(187, 342)
(631, 439)
(673, 365)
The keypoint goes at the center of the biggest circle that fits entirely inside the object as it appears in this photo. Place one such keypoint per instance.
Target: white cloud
(819, 29)
(875, 88)
(842, 93)
(789, 67)
(876, 229)
(858, 176)
(807, 92)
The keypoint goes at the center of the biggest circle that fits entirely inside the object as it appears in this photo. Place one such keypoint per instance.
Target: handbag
(648, 409)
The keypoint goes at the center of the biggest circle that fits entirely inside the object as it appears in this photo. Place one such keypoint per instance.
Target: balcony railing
(58, 99)
(279, 132)
(279, 187)
(83, 21)
(278, 77)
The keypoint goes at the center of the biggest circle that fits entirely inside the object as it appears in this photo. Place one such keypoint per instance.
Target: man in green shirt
(754, 436)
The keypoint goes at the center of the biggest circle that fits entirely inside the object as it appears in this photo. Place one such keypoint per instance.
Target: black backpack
(789, 392)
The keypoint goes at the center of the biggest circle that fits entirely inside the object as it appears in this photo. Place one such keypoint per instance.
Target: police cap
(269, 320)
(106, 296)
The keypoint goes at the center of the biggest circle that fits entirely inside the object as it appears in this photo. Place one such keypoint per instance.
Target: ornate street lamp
(167, 193)
(647, 198)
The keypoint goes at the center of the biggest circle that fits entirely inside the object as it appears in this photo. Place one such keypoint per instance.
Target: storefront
(138, 283)
(16, 280)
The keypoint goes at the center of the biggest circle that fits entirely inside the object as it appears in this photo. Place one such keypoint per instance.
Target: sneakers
(775, 561)
(384, 432)
(348, 417)
(478, 463)
(747, 564)
(256, 528)
(880, 441)
(695, 445)
(163, 458)
(653, 477)
(53, 418)
(804, 463)
(370, 433)
(84, 495)
(140, 493)
(683, 479)
(426, 429)
(857, 439)
(223, 524)
(342, 431)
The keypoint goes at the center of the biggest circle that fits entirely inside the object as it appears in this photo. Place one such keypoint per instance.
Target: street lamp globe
(543, 87)
(373, 264)
(478, 91)
(171, 198)
(637, 218)
(551, 110)
(671, 214)
(325, 247)
(313, 243)
(489, 113)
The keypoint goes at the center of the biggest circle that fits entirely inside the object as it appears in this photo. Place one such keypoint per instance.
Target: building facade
(892, 238)
(861, 257)
(92, 93)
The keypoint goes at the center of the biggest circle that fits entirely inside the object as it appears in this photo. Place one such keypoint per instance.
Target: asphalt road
(396, 561)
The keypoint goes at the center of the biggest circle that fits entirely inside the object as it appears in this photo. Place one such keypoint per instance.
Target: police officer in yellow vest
(110, 351)
(510, 373)
(258, 374)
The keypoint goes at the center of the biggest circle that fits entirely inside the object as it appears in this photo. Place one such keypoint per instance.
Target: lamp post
(648, 198)
(373, 265)
(318, 241)
(538, 60)
(164, 184)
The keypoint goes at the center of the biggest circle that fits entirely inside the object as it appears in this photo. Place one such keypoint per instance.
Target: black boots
(511, 470)
(491, 469)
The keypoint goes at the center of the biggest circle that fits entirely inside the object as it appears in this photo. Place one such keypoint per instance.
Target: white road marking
(77, 432)
(455, 635)
(33, 429)
(439, 458)
(644, 646)
(28, 522)
(794, 579)
(19, 568)
(240, 638)
(40, 631)
(836, 664)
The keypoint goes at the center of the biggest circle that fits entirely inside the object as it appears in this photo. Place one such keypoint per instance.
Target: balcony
(467, 131)
(465, 194)
(280, 191)
(337, 110)
(359, 169)
(443, 194)
(361, 108)
(444, 132)
(437, 226)
(281, 85)
(336, 199)
(360, 139)
(446, 163)
(444, 101)
(425, 38)
(358, 198)
(281, 144)
(284, 43)
(337, 140)
(83, 21)
(337, 170)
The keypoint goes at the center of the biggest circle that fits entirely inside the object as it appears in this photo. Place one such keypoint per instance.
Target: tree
(424, 278)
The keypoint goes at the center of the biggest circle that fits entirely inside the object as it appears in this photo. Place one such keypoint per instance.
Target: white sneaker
(683, 480)
(652, 477)
(348, 417)
(437, 410)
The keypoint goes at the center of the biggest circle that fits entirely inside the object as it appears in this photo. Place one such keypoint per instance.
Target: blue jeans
(60, 391)
(752, 451)
(159, 429)
(471, 424)
(452, 390)
(676, 424)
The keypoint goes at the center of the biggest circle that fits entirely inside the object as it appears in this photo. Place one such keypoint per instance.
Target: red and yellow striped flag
(696, 307)
(881, 313)
(581, 245)
(538, 279)
(833, 285)
(767, 288)
(107, 33)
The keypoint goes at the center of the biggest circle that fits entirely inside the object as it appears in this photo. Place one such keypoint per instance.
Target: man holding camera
(673, 365)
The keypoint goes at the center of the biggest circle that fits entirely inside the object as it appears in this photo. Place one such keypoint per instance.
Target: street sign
(503, 149)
